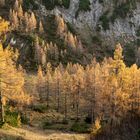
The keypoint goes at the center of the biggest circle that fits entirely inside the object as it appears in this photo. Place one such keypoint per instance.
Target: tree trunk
(48, 90)
(77, 104)
(58, 98)
(1, 109)
(65, 106)
(92, 112)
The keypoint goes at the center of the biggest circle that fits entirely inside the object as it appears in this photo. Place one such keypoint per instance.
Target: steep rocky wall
(102, 25)
(124, 28)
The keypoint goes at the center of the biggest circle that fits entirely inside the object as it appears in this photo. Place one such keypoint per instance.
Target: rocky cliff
(113, 20)
(108, 21)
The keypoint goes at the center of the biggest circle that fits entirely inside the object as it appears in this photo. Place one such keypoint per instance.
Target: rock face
(125, 28)
(108, 21)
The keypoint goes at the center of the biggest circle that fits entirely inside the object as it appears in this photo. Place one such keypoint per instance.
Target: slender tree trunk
(1, 109)
(58, 98)
(77, 104)
(93, 99)
(65, 106)
(48, 90)
(92, 112)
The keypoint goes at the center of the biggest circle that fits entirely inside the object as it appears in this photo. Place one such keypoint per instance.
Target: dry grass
(30, 133)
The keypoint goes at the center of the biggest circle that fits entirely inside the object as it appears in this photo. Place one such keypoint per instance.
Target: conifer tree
(20, 12)
(57, 77)
(65, 91)
(78, 86)
(11, 79)
(40, 83)
(41, 29)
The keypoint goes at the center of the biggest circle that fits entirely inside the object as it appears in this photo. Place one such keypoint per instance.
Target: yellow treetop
(3, 26)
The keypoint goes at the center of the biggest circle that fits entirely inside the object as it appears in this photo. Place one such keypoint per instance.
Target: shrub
(51, 4)
(138, 31)
(96, 40)
(84, 5)
(47, 125)
(101, 1)
(104, 19)
(80, 127)
(24, 119)
(88, 119)
(129, 53)
(71, 28)
(66, 3)
(27, 4)
(121, 11)
(40, 108)
(12, 118)
(65, 122)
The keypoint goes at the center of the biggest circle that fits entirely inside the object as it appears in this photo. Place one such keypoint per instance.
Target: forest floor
(32, 133)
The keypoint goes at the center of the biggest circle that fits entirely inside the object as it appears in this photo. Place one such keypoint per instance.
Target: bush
(47, 125)
(12, 118)
(27, 4)
(121, 11)
(84, 5)
(101, 1)
(24, 119)
(51, 4)
(80, 127)
(97, 40)
(88, 119)
(129, 53)
(66, 3)
(138, 32)
(71, 28)
(65, 122)
(40, 108)
(104, 19)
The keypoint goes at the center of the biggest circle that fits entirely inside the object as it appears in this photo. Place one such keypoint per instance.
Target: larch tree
(78, 88)
(3, 26)
(20, 12)
(48, 83)
(61, 29)
(16, 5)
(65, 92)
(57, 78)
(41, 29)
(40, 82)
(11, 80)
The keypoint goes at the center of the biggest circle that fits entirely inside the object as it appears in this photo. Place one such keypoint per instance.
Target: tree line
(109, 90)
